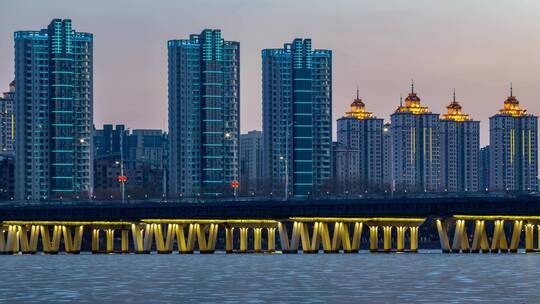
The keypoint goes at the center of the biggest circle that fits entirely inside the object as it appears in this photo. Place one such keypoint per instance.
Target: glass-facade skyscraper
(204, 115)
(297, 118)
(54, 105)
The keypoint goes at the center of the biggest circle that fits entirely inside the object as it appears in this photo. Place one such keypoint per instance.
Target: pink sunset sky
(477, 47)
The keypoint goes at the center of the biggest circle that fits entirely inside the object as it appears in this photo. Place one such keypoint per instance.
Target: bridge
(472, 223)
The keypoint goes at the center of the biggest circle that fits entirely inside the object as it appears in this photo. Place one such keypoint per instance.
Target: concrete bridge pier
(480, 241)
(257, 227)
(229, 239)
(401, 226)
(374, 238)
(312, 234)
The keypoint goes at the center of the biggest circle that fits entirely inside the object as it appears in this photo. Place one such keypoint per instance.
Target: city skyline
(149, 147)
(444, 55)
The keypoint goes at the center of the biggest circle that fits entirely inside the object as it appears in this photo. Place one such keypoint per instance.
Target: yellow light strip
(430, 145)
(512, 146)
(65, 223)
(495, 217)
(207, 221)
(529, 146)
(523, 143)
(353, 220)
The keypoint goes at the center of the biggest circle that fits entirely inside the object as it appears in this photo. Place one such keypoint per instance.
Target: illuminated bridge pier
(24, 237)
(203, 235)
(495, 234)
(312, 234)
(185, 236)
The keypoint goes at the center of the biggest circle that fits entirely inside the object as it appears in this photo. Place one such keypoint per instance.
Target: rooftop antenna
(511, 93)
(412, 86)
(400, 99)
(357, 92)
(454, 95)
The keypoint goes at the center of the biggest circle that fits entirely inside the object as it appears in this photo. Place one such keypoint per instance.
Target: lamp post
(122, 178)
(282, 158)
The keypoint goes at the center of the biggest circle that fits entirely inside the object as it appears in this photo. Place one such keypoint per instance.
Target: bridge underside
(458, 234)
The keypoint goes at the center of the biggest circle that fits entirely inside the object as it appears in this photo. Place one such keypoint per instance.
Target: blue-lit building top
(54, 105)
(297, 111)
(204, 115)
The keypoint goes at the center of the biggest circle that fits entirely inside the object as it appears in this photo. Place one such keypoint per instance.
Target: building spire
(400, 100)
(511, 93)
(412, 86)
(357, 92)
(454, 97)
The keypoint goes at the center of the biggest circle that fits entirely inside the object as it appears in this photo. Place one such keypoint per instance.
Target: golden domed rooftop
(454, 111)
(358, 103)
(511, 106)
(412, 104)
(358, 108)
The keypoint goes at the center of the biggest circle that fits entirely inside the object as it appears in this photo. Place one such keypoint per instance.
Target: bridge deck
(266, 209)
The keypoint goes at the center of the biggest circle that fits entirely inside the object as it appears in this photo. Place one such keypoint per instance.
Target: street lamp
(122, 178)
(282, 158)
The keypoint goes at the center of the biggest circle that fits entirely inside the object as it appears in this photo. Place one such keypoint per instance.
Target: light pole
(235, 183)
(286, 158)
(285, 162)
(123, 179)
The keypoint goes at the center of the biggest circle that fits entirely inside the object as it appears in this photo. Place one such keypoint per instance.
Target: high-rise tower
(460, 146)
(416, 147)
(513, 148)
(204, 115)
(361, 132)
(297, 118)
(7, 120)
(54, 106)
(251, 154)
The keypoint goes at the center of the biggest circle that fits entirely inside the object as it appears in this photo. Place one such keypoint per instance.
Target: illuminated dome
(511, 106)
(454, 106)
(412, 98)
(412, 104)
(358, 103)
(454, 111)
(358, 108)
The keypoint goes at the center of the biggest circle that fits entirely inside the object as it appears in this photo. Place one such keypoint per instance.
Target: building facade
(297, 118)
(7, 176)
(460, 144)
(7, 120)
(361, 133)
(484, 169)
(346, 176)
(107, 141)
(513, 138)
(251, 163)
(416, 147)
(54, 106)
(387, 152)
(204, 115)
(143, 153)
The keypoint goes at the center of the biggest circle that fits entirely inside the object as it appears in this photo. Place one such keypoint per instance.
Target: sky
(477, 47)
